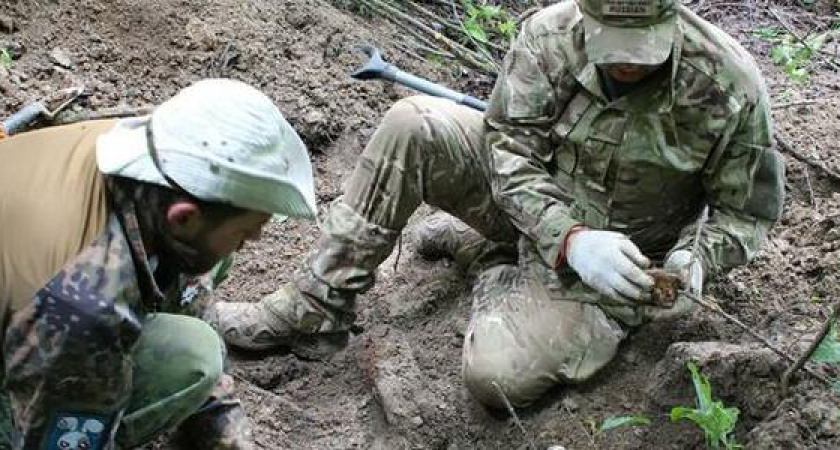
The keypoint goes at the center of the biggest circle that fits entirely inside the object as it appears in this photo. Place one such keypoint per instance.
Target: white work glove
(611, 264)
(691, 275)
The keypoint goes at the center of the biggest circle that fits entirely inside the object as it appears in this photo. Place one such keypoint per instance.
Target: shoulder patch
(71, 430)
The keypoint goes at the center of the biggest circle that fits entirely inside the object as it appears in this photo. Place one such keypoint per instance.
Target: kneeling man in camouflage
(611, 126)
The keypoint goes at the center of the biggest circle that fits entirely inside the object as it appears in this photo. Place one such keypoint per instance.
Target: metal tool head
(61, 100)
(375, 66)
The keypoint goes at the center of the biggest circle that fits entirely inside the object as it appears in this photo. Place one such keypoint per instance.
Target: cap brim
(650, 45)
(123, 151)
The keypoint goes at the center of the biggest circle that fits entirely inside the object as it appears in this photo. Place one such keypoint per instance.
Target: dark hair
(153, 200)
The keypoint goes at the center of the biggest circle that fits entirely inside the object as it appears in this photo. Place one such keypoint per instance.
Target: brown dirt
(133, 53)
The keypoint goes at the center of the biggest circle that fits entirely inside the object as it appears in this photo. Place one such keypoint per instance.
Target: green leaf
(702, 387)
(716, 420)
(474, 30)
(508, 28)
(489, 12)
(5, 58)
(623, 421)
(829, 349)
(767, 33)
(781, 54)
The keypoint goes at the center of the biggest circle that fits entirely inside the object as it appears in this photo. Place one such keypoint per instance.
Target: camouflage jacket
(643, 164)
(69, 349)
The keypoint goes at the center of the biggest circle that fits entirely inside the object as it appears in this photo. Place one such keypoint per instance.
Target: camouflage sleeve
(67, 366)
(744, 185)
(519, 120)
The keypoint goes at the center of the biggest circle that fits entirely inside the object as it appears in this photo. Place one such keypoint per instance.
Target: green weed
(484, 22)
(716, 420)
(829, 349)
(5, 58)
(792, 54)
(623, 421)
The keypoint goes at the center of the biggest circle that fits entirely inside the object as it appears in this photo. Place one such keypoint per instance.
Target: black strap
(153, 152)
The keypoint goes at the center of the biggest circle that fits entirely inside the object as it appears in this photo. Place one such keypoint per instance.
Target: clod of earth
(666, 286)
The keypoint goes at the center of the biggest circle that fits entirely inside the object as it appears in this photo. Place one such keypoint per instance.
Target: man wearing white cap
(104, 228)
(612, 123)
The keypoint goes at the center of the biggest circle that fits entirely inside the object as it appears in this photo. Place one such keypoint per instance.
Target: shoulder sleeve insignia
(71, 430)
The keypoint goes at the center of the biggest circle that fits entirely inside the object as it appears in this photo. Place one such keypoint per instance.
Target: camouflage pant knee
(177, 378)
(523, 338)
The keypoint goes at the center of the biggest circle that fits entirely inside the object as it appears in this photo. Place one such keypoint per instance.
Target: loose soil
(397, 385)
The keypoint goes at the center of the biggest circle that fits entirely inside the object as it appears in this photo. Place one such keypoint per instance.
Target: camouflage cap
(628, 31)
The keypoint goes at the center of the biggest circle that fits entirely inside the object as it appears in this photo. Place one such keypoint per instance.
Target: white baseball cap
(219, 140)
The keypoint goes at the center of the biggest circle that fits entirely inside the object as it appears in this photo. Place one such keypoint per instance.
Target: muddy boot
(312, 315)
(444, 236)
(285, 318)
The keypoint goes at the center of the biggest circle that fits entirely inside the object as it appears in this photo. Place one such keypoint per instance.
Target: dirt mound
(133, 53)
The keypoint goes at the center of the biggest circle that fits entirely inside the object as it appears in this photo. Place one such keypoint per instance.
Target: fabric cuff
(550, 233)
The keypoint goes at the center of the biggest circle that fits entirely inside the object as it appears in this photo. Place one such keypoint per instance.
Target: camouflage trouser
(177, 380)
(521, 338)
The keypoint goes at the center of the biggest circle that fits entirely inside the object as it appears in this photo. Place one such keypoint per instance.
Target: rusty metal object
(666, 287)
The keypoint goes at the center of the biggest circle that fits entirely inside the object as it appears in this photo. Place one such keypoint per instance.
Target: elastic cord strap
(564, 249)
(156, 160)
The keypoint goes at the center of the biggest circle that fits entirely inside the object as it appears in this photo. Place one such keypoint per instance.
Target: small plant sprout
(613, 422)
(5, 58)
(716, 420)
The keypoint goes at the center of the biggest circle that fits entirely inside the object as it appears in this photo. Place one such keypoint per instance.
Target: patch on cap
(629, 8)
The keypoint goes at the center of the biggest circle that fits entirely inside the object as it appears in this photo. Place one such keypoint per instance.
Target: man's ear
(183, 218)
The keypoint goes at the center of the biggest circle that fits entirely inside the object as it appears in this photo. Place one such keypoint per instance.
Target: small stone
(7, 24)
(60, 58)
(556, 447)
(570, 404)
(630, 357)
(417, 421)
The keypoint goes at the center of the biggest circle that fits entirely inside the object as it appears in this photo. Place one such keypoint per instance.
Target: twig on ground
(799, 363)
(285, 402)
(581, 425)
(474, 59)
(516, 420)
(810, 189)
(809, 101)
(716, 309)
(785, 146)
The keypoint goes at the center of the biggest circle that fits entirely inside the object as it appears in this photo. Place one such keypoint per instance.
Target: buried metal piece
(46, 109)
(377, 68)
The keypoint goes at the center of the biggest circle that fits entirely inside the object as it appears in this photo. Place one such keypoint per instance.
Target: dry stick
(466, 55)
(515, 417)
(288, 403)
(790, 150)
(476, 59)
(810, 188)
(409, 50)
(582, 426)
(715, 308)
(799, 363)
(794, 103)
(426, 41)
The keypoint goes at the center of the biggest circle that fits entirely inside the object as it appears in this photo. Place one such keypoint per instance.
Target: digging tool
(46, 109)
(376, 67)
